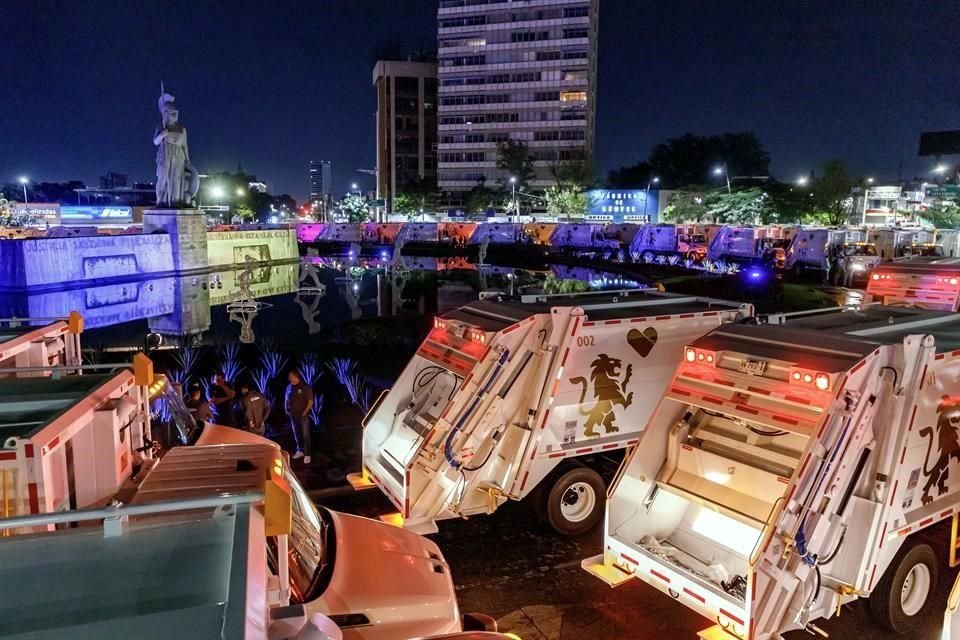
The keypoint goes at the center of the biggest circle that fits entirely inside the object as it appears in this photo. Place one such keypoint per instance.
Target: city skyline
(812, 82)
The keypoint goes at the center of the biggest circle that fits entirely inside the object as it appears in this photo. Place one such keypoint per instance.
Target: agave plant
(274, 362)
(673, 260)
(342, 369)
(720, 266)
(707, 265)
(261, 378)
(635, 256)
(188, 358)
(310, 368)
(689, 263)
(360, 392)
(316, 409)
(661, 259)
(177, 376)
(733, 268)
(230, 364)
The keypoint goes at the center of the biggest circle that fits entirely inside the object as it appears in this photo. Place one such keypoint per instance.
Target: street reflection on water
(284, 303)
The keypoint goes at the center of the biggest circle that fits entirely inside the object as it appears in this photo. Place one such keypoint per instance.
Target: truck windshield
(698, 239)
(173, 423)
(860, 250)
(309, 566)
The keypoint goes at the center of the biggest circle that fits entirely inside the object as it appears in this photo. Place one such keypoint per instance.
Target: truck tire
(574, 502)
(901, 599)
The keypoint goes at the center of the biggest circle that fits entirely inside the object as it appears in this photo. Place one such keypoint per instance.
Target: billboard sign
(44, 212)
(110, 214)
(623, 205)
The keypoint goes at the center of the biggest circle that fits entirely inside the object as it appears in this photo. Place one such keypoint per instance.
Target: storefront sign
(43, 212)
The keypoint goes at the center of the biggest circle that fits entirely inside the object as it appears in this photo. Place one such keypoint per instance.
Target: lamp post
(23, 181)
(513, 197)
(722, 170)
(646, 195)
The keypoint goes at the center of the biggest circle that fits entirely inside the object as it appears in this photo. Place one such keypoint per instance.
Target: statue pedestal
(187, 229)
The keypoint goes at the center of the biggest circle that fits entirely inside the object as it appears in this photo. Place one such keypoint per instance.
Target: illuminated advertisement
(44, 212)
(622, 205)
(111, 214)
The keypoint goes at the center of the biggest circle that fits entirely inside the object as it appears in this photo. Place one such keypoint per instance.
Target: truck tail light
(819, 379)
(690, 354)
(876, 276)
(439, 323)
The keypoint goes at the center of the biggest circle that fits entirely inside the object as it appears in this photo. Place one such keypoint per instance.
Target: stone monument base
(187, 229)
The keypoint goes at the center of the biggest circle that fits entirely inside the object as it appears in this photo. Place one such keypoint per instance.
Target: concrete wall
(229, 248)
(39, 263)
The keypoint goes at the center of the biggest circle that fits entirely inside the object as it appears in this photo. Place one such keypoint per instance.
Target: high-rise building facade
(406, 125)
(320, 182)
(514, 69)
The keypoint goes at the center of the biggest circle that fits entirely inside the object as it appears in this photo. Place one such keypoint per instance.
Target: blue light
(383, 255)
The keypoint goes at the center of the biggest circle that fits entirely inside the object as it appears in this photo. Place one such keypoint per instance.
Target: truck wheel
(901, 598)
(574, 503)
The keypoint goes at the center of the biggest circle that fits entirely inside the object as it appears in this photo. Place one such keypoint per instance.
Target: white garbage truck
(788, 468)
(927, 283)
(505, 399)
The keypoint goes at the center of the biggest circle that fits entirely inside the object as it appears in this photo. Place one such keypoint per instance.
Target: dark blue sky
(275, 84)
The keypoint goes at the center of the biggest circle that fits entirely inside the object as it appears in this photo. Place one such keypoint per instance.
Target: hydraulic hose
(448, 444)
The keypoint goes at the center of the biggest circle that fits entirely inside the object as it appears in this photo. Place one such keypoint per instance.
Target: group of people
(251, 409)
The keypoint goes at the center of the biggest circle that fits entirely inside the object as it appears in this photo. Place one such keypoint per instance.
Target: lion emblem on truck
(609, 391)
(948, 446)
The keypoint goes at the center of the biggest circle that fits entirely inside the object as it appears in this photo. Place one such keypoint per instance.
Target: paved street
(530, 579)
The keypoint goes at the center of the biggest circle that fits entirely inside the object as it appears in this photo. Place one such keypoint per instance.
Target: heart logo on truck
(642, 341)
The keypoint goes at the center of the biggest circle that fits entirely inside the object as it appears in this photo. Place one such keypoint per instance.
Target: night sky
(276, 84)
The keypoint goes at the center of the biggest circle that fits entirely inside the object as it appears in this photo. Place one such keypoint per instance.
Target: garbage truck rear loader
(503, 397)
(788, 467)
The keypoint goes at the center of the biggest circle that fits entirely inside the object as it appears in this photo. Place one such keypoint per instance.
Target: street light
(353, 186)
(240, 192)
(722, 170)
(646, 194)
(513, 186)
(216, 191)
(941, 168)
(869, 180)
(23, 181)
(802, 181)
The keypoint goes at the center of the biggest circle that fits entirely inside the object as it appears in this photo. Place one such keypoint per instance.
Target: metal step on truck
(505, 399)
(788, 468)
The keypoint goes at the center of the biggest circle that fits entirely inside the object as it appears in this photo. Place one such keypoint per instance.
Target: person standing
(256, 408)
(198, 405)
(297, 403)
(221, 397)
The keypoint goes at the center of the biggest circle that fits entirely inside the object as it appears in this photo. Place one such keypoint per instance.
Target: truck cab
(860, 259)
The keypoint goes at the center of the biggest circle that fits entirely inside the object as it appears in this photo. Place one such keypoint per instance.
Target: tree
(244, 212)
(514, 158)
(943, 215)
(355, 208)
(480, 197)
(831, 192)
(574, 172)
(11, 217)
(690, 159)
(686, 206)
(417, 196)
(568, 201)
(553, 285)
(746, 207)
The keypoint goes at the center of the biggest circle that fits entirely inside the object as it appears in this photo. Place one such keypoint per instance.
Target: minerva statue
(177, 180)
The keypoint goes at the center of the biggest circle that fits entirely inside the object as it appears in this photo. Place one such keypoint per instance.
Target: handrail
(122, 511)
(110, 367)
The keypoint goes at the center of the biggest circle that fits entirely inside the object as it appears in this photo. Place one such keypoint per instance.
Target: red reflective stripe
(883, 536)
(660, 575)
(695, 595)
(923, 376)
(857, 367)
(912, 418)
(686, 315)
(872, 576)
(588, 323)
(610, 446)
(427, 439)
(32, 491)
(611, 322)
(893, 493)
(746, 409)
(511, 328)
(8, 455)
(783, 480)
(563, 360)
(28, 450)
(662, 318)
(576, 323)
(785, 420)
(53, 443)
(731, 616)
(546, 414)
(758, 390)
(587, 450)
(557, 455)
(903, 454)
(628, 558)
(524, 483)
(944, 514)
(925, 522)
(556, 385)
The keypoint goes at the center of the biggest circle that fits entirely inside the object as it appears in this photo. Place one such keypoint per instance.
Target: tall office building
(514, 69)
(320, 182)
(406, 125)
